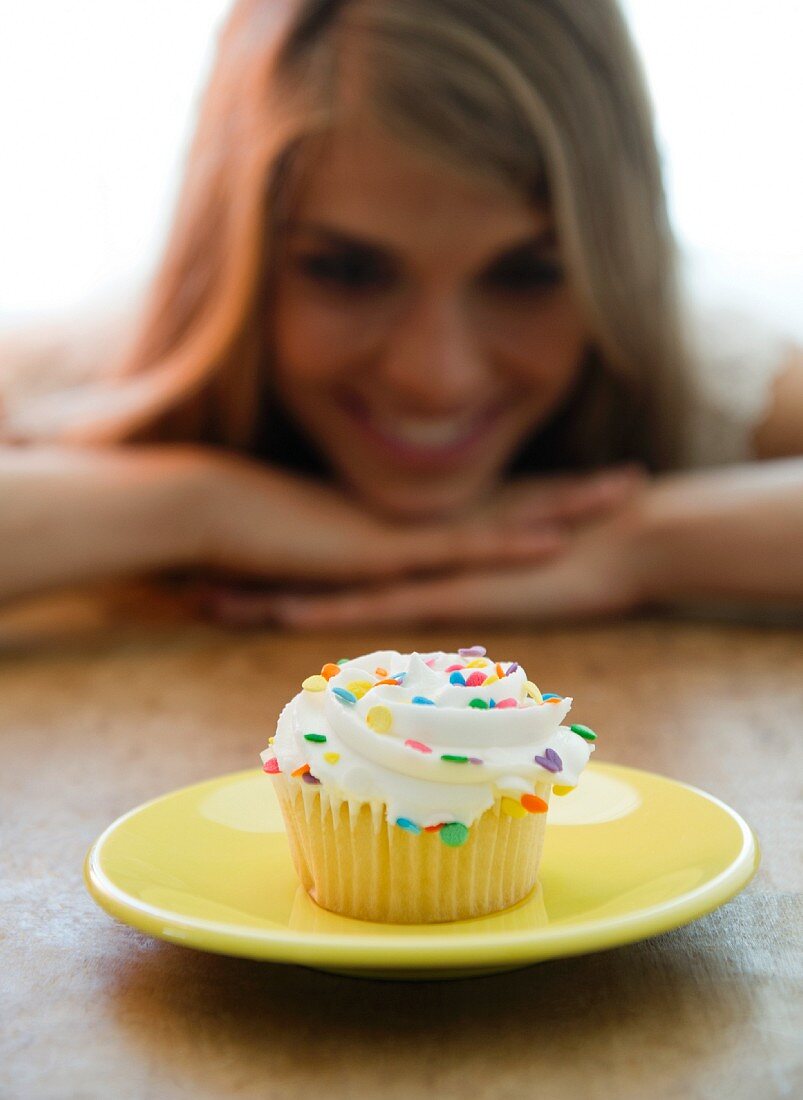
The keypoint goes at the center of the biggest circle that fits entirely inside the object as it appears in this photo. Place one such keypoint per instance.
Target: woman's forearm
(731, 534)
(69, 515)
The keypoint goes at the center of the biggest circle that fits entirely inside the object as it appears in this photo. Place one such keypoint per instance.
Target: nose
(432, 359)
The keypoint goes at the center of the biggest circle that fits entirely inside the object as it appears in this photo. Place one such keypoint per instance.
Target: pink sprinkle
(476, 679)
(430, 662)
(418, 746)
(506, 703)
(455, 668)
(271, 766)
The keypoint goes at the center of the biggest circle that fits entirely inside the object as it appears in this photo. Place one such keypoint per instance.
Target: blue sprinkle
(457, 678)
(423, 701)
(400, 676)
(492, 704)
(410, 826)
(549, 695)
(345, 696)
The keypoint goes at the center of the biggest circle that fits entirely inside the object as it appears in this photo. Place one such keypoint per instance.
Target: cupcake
(415, 787)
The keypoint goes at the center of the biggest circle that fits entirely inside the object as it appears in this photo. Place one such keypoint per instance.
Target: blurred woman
(418, 335)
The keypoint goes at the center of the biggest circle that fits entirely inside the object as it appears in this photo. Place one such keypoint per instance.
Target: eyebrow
(344, 239)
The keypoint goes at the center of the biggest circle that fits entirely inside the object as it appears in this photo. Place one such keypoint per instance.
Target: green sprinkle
(454, 834)
(343, 661)
(584, 732)
(479, 704)
(452, 759)
(314, 737)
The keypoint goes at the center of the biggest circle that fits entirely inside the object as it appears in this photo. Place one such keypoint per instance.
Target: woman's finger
(471, 543)
(569, 499)
(485, 597)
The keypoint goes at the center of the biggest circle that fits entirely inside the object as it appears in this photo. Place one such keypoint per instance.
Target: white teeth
(415, 432)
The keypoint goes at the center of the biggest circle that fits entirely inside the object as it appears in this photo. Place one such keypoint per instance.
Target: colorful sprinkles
(314, 683)
(379, 718)
(584, 732)
(533, 804)
(474, 670)
(550, 761)
(454, 834)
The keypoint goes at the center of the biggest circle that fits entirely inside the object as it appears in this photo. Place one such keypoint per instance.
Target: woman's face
(423, 327)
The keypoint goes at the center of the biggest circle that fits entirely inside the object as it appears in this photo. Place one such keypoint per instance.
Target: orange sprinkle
(330, 670)
(380, 672)
(302, 770)
(533, 804)
(553, 700)
(500, 672)
(389, 681)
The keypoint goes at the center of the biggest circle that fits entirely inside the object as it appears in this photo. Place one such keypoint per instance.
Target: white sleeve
(735, 360)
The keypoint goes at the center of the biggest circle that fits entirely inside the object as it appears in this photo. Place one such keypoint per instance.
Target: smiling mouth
(419, 442)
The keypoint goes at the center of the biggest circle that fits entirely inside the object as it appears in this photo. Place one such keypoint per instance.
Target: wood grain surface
(103, 707)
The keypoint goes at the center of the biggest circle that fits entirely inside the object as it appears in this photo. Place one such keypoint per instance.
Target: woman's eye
(347, 271)
(523, 275)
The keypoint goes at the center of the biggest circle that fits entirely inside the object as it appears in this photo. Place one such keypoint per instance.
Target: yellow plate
(627, 855)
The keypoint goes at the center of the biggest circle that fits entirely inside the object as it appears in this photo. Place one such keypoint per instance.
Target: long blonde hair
(545, 95)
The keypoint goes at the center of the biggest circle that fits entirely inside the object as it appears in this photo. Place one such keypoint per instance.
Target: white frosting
(380, 768)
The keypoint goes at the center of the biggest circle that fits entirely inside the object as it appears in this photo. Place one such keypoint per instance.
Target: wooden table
(103, 717)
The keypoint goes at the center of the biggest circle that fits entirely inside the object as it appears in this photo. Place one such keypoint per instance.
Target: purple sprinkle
(511, 668)
(550, 761)
(308, 777)
(473, 651)
(474, 760)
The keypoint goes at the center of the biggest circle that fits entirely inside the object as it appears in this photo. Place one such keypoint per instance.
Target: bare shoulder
(780, 433)
(48, 353)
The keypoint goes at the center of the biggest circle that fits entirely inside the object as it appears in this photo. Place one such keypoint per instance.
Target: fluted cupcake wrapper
(352, 862)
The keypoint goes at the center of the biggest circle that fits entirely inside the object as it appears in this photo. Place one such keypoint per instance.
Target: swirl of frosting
(432, 738)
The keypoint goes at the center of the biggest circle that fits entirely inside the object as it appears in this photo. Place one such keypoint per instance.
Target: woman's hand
(725, 535)
(261, 523)
(322, 537)
(600, 572)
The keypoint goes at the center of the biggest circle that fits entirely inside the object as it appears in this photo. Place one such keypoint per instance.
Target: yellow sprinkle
(513, 808)
(271, 740)
(532, 691)
(379, 718)
(562, 790)
(491, 680)
(478, 662)
(331, 757)
(314, 683)
(359, 687)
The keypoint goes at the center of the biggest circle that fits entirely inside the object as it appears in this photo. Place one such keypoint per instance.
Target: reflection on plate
(627, 855)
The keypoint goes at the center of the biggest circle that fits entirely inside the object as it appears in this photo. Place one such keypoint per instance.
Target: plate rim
(421, 951)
